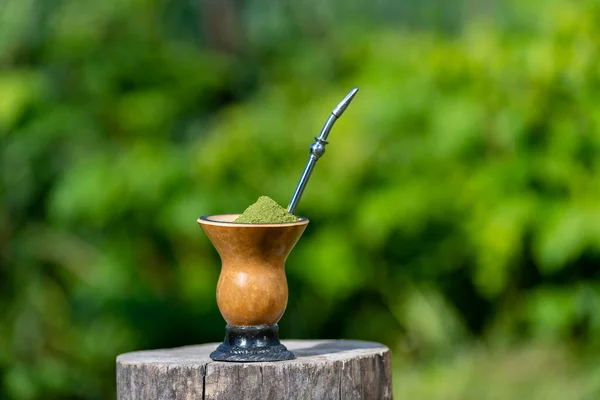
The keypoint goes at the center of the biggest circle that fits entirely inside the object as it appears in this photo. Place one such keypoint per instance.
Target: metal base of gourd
(252, 344)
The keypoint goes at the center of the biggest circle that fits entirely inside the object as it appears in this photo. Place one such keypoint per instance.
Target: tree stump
(323, 369)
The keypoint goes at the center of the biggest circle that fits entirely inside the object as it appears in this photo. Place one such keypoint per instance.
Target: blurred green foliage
(455, 216)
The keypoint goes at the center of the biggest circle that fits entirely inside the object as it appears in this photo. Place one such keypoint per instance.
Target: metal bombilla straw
(317, 149)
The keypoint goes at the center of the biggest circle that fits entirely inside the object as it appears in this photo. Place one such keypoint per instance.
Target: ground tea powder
(266, 211)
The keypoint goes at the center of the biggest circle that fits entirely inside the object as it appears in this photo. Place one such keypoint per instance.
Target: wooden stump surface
(323, 369)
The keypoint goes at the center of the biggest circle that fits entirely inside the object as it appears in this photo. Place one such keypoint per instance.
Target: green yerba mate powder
(266, 211)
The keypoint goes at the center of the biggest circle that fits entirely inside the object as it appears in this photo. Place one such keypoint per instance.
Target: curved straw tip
(342, 105)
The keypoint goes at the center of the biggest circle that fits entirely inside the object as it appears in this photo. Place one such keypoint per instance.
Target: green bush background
(455, 216)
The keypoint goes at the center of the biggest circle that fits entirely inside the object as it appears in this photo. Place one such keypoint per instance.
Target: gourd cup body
(252, 288)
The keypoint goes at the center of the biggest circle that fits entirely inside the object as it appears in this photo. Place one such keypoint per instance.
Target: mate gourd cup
(252, 291)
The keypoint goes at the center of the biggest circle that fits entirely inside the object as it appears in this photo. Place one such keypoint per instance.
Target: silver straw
(317, 149)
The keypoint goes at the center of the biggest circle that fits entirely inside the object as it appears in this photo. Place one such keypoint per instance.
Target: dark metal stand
(252, 344)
